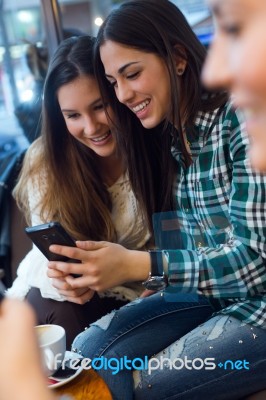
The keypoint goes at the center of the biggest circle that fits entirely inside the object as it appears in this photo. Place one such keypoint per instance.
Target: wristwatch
(157, 279)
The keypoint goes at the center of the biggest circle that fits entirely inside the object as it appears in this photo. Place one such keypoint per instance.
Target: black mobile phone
(43, 236)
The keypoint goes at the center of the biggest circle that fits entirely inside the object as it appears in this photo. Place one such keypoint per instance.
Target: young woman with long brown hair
(75, 174)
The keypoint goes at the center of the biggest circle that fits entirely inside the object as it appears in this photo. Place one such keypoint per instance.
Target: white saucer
(60, 382)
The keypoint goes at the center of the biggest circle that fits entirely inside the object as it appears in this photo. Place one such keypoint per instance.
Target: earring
(180, 71)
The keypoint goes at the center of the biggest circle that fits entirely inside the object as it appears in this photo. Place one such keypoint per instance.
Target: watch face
(155, 283)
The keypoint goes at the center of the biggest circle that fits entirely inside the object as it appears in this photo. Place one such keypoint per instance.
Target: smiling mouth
(141, 106)
(101, 138)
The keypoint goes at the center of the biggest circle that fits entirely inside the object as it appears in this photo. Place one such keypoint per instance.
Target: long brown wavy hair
(74, 194)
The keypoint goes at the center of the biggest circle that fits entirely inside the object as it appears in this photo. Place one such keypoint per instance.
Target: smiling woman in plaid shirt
(208, 320)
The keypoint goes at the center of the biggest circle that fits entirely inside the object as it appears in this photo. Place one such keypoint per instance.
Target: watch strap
(156, 263)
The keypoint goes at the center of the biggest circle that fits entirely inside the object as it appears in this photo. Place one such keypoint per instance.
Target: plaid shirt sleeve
(229, 261)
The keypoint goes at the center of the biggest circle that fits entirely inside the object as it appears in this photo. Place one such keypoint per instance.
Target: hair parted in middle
(75, 194)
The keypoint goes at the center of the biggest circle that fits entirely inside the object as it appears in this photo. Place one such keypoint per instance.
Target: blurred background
(30, 31)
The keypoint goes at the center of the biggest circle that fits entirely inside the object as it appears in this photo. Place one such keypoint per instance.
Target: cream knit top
(131, 231)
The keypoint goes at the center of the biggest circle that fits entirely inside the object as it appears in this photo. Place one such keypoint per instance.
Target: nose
(91, 125)
(216, 72)
(124, 93)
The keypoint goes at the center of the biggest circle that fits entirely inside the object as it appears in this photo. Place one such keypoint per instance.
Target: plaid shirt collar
(197, 136)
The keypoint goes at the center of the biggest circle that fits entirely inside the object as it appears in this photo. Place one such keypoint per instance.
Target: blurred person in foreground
(237, 62)
(21, 376)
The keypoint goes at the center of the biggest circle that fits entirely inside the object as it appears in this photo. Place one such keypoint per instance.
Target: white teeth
(141, 106)
(99, 139)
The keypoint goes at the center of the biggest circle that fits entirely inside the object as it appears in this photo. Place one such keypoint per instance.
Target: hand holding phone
(44, 235)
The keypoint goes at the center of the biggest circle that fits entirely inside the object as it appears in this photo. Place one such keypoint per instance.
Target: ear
(180, 58)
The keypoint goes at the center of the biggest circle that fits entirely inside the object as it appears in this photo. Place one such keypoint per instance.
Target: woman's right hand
(103, 266)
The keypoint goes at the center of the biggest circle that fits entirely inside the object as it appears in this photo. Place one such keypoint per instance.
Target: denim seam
(127, 330)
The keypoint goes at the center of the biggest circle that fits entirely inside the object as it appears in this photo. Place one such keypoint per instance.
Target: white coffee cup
(52, 342)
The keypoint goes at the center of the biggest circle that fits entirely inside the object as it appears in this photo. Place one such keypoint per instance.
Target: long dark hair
(74, 193)
(159, 27)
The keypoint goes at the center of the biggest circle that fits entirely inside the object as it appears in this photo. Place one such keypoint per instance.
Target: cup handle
(49, 359)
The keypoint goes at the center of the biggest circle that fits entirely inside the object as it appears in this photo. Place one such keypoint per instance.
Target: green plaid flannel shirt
(221, 205)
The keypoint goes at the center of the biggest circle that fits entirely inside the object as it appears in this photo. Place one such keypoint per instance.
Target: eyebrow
(216, 10)
(99, 100)
(122, 69)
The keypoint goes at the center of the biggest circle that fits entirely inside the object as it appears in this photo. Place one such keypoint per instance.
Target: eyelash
(75, 115)
(99, 107)
(132, 76)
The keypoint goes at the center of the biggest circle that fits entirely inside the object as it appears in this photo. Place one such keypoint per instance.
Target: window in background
(21, 37)
(199, 18)
(81, 15)
(85, 15)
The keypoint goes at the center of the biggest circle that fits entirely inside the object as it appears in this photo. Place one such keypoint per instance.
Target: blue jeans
(182, 333)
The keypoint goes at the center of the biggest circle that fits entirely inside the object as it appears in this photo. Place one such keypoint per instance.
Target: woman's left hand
(78, 296)
(103, 266)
